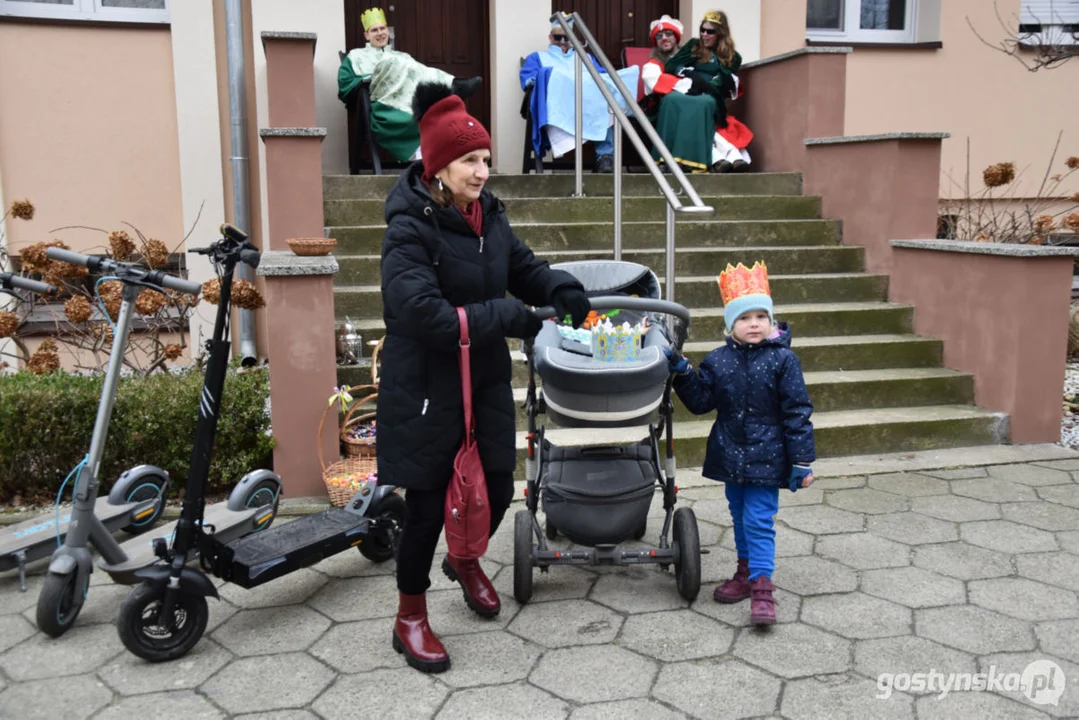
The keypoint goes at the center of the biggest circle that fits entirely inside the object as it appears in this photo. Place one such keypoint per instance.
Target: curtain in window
(824, 14)
(884, 14)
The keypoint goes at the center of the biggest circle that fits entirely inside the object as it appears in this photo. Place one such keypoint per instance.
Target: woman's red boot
(413, 636)
(479, 593)
(737, 588)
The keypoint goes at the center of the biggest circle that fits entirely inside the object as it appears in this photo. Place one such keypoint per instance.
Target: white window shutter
(1049, 12)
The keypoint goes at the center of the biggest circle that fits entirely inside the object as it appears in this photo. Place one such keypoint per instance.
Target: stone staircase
(875, 386)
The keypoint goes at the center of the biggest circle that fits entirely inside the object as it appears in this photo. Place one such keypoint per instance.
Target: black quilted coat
(433, 262)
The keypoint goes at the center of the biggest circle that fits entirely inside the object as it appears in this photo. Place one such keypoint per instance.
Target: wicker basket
(376, 359)
(311, 246)
(351, 468)
(359, 447)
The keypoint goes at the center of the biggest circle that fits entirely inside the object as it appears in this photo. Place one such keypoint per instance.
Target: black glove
(517, 320)
(700, 85)
(533, 324)
(573, 302)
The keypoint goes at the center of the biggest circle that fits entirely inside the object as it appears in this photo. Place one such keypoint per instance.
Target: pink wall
(88, 131)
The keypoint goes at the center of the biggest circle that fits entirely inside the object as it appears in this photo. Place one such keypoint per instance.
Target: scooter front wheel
(59, 603)
(381, 545)
(157, 639)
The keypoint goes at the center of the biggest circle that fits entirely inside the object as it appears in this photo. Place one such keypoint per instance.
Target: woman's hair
(441, 194)
(724, 42)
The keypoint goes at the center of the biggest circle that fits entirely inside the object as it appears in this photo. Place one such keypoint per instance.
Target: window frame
(852, 10)
(84, 10)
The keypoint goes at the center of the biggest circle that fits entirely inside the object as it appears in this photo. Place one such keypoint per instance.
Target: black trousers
(423, 528)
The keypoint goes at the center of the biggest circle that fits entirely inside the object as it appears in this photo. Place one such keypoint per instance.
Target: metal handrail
(674, 204)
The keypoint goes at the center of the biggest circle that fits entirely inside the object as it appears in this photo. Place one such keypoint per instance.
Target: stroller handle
(609, 302)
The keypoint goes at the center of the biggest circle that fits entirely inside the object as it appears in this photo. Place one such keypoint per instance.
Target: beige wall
(92, 142)
(517, 29)
(783, 26)
(744, 17)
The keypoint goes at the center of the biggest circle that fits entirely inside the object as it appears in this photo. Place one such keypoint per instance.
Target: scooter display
(138, 497)
(165, 616)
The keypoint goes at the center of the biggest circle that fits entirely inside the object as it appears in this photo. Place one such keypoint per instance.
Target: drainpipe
(241, 200)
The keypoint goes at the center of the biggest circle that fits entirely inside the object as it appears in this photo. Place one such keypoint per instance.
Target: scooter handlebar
(171, 282)
(21, 283)
(70, 256)
(125, 270)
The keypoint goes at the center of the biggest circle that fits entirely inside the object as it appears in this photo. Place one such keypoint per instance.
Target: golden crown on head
(736, 282)
(717, 17)
(372, 17)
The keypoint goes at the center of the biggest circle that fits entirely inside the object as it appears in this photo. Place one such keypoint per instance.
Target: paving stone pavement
(890, 584)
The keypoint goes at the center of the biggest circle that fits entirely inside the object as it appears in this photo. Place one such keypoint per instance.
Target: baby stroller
(599, 496)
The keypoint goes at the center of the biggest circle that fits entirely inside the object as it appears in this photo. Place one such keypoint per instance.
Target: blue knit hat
(740, 306)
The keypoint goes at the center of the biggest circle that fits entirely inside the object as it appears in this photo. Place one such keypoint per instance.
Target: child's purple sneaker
(737, 588)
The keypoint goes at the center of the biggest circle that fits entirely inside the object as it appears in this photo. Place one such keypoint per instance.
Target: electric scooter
(165, 616)
(137, 499)
(133, 504)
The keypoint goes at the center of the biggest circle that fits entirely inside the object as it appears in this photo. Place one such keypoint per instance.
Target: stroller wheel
(522, 556)
(687, 563)
(550, 530)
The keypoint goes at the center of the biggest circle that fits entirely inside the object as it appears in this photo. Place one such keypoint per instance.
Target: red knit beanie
(447, 131)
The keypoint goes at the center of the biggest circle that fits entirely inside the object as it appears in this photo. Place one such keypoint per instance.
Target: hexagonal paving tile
(717, 564)
(957, 473)
(909, 484)
(847, 482)
(102, 603)
(268, 682)
(675, 635)
(1044, 515)
(813, 576)
(788, 607)
(892, 656)
(566, 622)
(358, 646)
(178, 704)
(1067, 465)
(450, 614)
(1069, 542)
(69, 698)
(12, 600)
(857, 615)
(794, 650)
(913, 587)
(864, 551)
(973, 705)
(564, 582)
(714, 511)
(966, 562)
(638, 588)
(1061, 494)
(868, 501)
(843, 696)
(994, 490)
(488, 659)
(1025, 599)
(78, 650)
(625, 674)
(805, 496)
(289, 628)
(504, 701)
(384, 694)
(130, 675)
(1060, 638)
(955, 508)
(822, 520)
(1057, 568)
(973, 629)
(356, 599)
(353, 564)
(220, 611)
(13, 630)
(717, 689)
(1007, 537)
(1026, 474)
(1059, 678)
(621, 709)
(911, 528)
(288, 590)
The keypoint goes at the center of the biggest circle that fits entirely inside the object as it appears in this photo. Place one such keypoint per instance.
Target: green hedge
(46, 422)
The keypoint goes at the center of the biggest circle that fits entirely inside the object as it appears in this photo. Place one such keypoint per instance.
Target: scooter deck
(228, 525)
(258, 559)
(37, 536)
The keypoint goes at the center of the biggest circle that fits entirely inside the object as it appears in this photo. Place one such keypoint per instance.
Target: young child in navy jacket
(762, 438)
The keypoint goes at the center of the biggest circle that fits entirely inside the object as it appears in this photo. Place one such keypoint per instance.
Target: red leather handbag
(468, 512)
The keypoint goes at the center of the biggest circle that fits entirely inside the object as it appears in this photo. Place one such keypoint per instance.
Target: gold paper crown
(372, 17)
(717, 17)
(736, 282)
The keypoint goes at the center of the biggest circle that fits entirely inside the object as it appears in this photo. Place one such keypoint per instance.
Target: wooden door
(451, 35)
(618, 23)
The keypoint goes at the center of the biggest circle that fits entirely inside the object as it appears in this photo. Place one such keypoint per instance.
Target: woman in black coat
(448, 244)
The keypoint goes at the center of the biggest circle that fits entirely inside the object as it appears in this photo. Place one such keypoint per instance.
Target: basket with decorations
(358, 427)
(348, 475)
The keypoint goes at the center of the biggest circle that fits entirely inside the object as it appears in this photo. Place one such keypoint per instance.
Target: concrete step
(557, 210)
(367, 239)
(692, 261)
(837, 433)
(365, 301)
(860, 389)
(370, 187)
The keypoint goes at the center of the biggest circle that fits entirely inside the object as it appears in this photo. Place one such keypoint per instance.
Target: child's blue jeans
(753, 510)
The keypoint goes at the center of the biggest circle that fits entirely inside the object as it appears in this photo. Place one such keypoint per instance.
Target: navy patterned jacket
(762, 408)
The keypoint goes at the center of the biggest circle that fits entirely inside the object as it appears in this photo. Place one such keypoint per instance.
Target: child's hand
(801, 477)
(675, 362)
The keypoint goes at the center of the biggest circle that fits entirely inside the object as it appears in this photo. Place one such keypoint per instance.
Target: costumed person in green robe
(687, 92)
(394, 76)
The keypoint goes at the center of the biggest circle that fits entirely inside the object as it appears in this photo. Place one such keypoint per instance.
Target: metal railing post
(668, 293)
(578, 123)
(618, 190)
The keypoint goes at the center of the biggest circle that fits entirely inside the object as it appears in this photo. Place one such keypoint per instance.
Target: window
(1049, 22)
(861, 20)
(142, 11)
